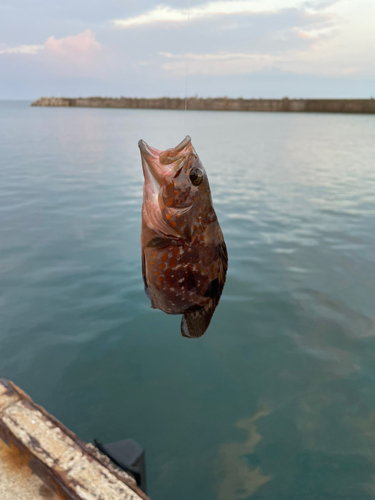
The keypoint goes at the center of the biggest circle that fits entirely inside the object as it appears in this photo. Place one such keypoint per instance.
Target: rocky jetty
(217, 104)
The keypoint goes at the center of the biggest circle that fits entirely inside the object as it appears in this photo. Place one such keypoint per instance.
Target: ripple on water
(280, 391)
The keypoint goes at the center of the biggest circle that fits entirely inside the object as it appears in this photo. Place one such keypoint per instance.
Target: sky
(144, 48)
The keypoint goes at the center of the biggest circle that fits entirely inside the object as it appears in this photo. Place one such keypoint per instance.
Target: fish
(184, 256)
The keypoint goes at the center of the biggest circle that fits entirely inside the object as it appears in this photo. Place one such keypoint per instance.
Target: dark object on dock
(285, 105)
(128, 455)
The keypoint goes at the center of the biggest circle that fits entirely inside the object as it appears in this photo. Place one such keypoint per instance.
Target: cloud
(297, 42)
(22, 49)
(239, 47)
(300, 37)
(167, 14)
(263, 35)
(75, 48)
(224, 63)
(320, 4)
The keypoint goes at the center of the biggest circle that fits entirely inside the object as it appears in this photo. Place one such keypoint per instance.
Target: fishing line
(186, 73)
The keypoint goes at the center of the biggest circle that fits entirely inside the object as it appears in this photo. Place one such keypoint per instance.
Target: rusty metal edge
(53, 478)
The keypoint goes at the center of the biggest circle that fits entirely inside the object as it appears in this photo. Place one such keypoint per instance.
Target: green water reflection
(277, 400)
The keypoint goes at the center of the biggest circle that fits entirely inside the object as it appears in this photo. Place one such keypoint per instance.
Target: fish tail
(195, 323)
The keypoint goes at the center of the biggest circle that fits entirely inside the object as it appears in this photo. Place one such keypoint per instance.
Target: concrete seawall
(218, 104)
(40, 458)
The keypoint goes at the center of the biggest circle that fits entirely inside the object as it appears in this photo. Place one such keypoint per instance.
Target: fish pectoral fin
(195, 322)
(157, 223)
(159, 242)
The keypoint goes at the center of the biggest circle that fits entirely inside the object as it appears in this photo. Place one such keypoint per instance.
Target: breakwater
(217, 104)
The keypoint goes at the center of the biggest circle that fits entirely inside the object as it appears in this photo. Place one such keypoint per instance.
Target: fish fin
(157, 223)
(147, 291)
(195, 323)
(214, 290)
(196, 320)
(223, 253)
(159, 242)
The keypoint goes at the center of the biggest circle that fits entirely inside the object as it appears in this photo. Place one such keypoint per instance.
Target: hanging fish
(184, 257)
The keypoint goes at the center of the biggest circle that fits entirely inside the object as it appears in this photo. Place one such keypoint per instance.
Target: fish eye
(196, 176)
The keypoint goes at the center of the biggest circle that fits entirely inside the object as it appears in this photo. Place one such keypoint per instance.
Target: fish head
(176, 188)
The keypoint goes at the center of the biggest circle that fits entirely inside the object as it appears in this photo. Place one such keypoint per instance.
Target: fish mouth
(158, 165)
(147, 150)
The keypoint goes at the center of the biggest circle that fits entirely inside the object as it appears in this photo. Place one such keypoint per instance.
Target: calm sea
(277, 400)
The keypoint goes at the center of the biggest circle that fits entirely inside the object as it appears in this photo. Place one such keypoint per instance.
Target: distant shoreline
(366, 106)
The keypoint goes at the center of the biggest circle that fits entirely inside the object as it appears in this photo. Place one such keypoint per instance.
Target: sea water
(277, 399)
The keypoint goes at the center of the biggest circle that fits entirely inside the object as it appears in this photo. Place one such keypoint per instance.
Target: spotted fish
(184, 257)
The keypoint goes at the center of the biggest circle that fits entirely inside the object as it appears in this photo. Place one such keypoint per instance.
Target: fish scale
(184, 257)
